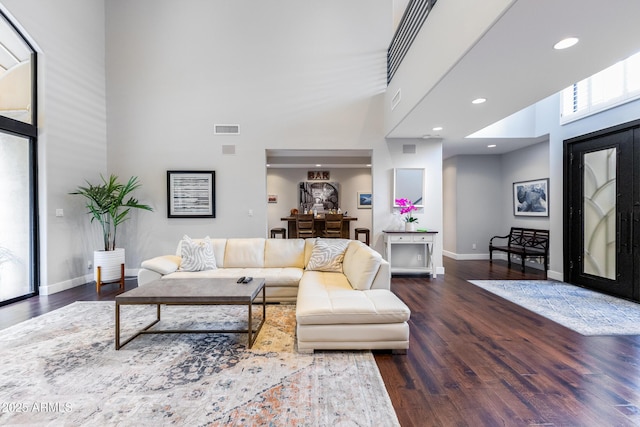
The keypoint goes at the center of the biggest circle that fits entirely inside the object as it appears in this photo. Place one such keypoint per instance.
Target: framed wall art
(364, 200)
(191, 194)
(531, 198)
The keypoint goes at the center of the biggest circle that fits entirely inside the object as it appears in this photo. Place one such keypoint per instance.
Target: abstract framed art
(191, 194)
(531, 198)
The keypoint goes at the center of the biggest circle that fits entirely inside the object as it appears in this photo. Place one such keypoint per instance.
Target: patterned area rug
(584, 311)
(62, 369)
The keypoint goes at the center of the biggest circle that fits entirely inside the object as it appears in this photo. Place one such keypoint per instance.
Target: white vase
(110, 264)
(409, 226)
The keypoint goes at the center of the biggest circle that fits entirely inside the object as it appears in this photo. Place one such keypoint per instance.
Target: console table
(414, 259)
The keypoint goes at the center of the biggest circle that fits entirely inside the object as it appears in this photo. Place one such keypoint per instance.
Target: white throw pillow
(328, 255)
(197, 256)
(361, 264)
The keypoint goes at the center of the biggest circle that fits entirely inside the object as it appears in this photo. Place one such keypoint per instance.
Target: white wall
(283, 182)
(450, 206)
(478, 180)
(428, 155)
(69, 38)
(311, 78)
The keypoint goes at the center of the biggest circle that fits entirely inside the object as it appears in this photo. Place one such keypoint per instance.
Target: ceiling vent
(409, 149)
(226, 129)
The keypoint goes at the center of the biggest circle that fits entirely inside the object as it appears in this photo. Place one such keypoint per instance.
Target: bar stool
(278, 232)
(360, 230)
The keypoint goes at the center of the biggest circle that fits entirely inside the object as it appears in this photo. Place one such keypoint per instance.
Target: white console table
(407, 259)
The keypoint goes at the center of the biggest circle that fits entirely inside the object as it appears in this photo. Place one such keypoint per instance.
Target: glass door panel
(15, 217)
(599, 207)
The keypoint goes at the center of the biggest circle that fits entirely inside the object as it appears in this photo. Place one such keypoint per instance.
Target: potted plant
(407, 207)
(107, 203)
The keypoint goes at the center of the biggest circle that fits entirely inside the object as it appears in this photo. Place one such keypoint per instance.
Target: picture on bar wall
(531, 198)
(318, 196)
(364, 200)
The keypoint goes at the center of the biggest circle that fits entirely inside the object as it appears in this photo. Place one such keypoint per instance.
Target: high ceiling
(513, 65)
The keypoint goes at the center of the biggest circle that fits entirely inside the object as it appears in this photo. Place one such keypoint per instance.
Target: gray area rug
(61, 368)
(584, 311)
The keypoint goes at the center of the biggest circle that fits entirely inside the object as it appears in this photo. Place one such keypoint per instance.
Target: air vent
(396, 99)
(226, 129)
(228, 149)
(409, 149)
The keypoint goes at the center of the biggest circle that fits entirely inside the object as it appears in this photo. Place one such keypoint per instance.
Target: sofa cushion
(283, 277)
(163, 264)
(361, 264)
(244, 253)
(197, 256)
(284, 253)
(328, 298)
(328, 255)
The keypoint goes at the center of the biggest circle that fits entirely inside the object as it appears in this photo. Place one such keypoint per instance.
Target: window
(18, 143)
(612, 86)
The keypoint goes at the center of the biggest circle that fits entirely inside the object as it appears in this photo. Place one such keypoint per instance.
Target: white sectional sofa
(341, 287)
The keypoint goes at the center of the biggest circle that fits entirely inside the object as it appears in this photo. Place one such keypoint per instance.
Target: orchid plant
(407, 207)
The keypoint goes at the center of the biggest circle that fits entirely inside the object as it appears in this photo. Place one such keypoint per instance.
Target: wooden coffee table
(193, 292)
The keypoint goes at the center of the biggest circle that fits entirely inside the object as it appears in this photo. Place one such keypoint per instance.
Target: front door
(602, 211)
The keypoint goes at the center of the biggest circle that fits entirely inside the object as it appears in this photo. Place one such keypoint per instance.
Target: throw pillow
(197, 255)
(327, 255)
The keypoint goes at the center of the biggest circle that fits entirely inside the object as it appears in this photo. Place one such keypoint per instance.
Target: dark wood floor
(476, 359)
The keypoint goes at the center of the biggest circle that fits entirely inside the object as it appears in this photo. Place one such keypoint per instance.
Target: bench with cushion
(524, 242)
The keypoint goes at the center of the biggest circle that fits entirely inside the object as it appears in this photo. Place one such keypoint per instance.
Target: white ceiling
(514, 65)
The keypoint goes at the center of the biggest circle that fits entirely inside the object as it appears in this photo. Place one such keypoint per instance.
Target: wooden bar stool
(360, 230)
(278, 232)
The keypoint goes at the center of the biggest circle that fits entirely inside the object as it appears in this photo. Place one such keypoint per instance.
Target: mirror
(408, 183)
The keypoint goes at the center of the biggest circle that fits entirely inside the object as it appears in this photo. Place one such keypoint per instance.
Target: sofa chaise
(341, 287)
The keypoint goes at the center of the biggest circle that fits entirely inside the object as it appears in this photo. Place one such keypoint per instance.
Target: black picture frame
(191, 194)
(531, 198)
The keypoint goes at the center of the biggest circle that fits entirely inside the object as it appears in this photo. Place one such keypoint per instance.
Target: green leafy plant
(106, 204)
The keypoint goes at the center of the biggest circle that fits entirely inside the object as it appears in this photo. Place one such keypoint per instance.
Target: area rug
(584, 311)
(62, 369)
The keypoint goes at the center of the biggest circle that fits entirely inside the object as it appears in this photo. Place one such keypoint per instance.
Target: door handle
(630, 232)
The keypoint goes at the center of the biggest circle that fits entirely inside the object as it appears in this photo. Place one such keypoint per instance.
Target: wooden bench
(525, 242)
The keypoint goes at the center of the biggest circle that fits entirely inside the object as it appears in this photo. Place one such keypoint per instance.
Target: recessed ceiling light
(268, 164)
(566, 43)
(368, 165)
(491, 146)
(479, 101)
(437, 128)
(318, 165)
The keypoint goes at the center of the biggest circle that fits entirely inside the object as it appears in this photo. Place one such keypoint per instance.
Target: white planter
(110, 264)
(409, 226)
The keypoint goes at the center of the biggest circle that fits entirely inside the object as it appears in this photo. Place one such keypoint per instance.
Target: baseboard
(63, 286)
(79, 281)
(503, 256)
(463, 257)
(555, 275)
